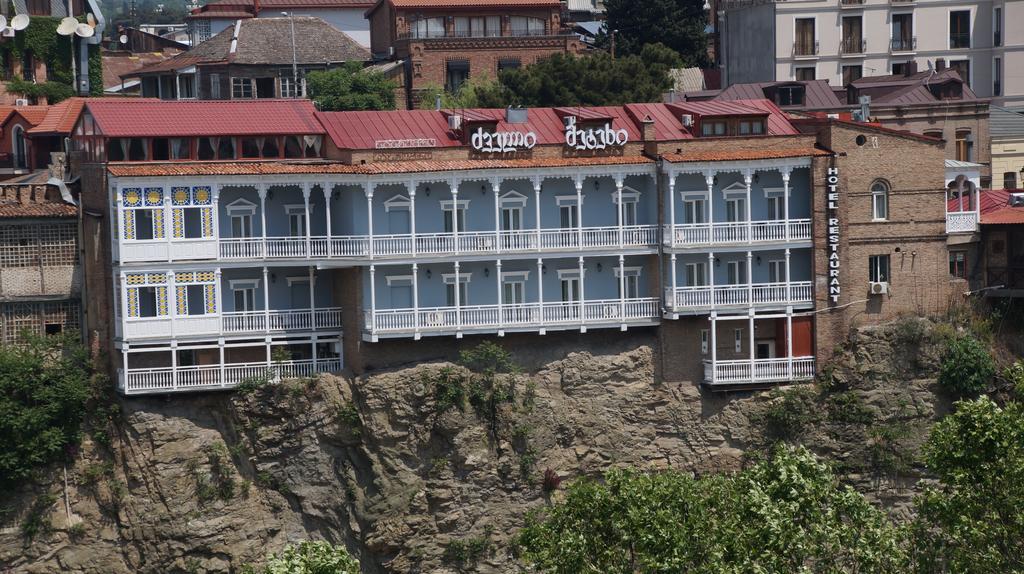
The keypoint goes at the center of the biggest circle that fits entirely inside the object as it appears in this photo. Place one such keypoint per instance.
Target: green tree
(485, 93)
(967, 367)
(595, 79)
(973, 521)
(351, 87)
(44, 388)
(309, 557)
(678, 24)
(784, 514)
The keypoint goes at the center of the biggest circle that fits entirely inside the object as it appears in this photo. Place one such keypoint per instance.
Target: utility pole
(613, 42)
(295, 64)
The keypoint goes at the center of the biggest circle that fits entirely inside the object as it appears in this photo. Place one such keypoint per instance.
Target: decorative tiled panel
(158, 224)
(208, 222)
(129, 225)
(131, 197)
(154, 197)
(182, 298)
(161, 301)
(133, 302)
(180, 196)
(178, 222)
(209, 292)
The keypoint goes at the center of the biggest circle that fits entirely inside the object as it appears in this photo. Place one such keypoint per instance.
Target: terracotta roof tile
(285, 168)
(737, 155)
(60, 118)
(34, 115)
(17, 210)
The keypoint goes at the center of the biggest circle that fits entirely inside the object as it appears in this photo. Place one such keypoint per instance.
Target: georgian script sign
(832, 209)
(591, 138)
(502, 142)
(408, 143)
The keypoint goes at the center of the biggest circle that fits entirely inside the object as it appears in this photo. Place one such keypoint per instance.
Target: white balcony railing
(435, 244)
(700, 234)
(520, 315)
(758, 294)
(206, 377)
(961, 222)
(234, 322)
(745, 371)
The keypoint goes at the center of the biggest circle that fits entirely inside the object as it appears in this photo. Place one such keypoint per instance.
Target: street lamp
(295, 64)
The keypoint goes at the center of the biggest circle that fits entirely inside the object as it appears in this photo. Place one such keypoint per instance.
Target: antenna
(20, 22)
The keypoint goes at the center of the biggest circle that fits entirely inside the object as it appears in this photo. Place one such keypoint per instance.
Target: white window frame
(509, 204)
(736, 193)
(297, 209)
(690, 200)
(632, 275)
(773, 195)
(780, 270)
(740, 272)
(252, 88)
(874, 267)
(239, 285)
(816, 31)
(701, 266)
(399, 280)
(243, 210)
(397, 203)
(970, 23)
(875, 195)
(514, 278)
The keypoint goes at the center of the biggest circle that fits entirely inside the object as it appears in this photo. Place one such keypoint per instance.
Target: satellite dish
(90, 20)
(20, 22)
(84, 30)
(67, 26)
(3, 22)
(123, 39)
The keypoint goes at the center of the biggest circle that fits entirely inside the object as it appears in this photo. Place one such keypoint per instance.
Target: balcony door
(398, 215)
(777, 271)
(296, 220)
(805, 37)
(460, 212)
(244, 297)
(512, 205)
(694, 209)
(696, 274)
(629, 285)
(570, 286)
(568, 216)
(776, 205)
(735, 209)
(736, 272)
(513, 291)
(462, 286)
(853, 35)
(902, 32)
(298, 293)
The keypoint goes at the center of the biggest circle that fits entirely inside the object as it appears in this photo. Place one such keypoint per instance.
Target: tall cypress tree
(679, 24)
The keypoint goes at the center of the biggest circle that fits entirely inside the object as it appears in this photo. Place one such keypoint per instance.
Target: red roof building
(344, 15)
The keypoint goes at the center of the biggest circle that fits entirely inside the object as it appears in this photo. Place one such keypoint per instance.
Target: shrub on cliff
(967, 367)
(309, 557)
(44, 388)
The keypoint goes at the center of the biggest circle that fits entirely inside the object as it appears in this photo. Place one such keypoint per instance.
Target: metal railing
(746, 295)
(959, 39)
(805, 48)
(851, 3)
(744, 371)
(509, 33)
(853, 46)
(700, 234)
(907, 44)
(206, 377)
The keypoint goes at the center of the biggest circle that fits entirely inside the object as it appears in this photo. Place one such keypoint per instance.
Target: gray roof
(1005, 123)
(268, 41)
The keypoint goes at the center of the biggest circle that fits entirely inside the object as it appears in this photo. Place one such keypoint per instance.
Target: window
(630, 281)
(878, 268)
(568, 216)
(513, 291)
(570, 286)
(1010, 180)
(137, 149)
(704, 343)
(147, 302)
(900, 68)
(804, 44)
(738, 338)
(290, 88)
(852, 74)
(241, 88)
(463, 287)
(446, 208)
(694, 208)
(789, 96)
(777, 271)
(265, 87)
(187, 87)
(776, 205)
(696, 274)
(853, 35)
(456, 74)
(245, 298)
(879, 201)
(751, 127)
(214, 86)
(964, 145)
(960, 29)
(527, 26)
(805, 74)
(512, 211)
(934, 134)
(200, 31)
(963, 68)
(713, 128)
(296, 220)
(997, 27)
(508, 64)
(958, 264)
(428, 28)
(997, 76)
(28, 66)
(628, 211)
(735, 209)
(902, 33)
(736, 272)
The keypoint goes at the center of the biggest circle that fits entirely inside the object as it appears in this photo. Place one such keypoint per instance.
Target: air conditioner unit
(455, 122)
(21, 102)
(687, 120)
(1017, 200)
(878, 287)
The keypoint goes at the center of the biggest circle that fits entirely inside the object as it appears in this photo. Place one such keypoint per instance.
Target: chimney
(940, 64)
(911, 68)
(649, 136)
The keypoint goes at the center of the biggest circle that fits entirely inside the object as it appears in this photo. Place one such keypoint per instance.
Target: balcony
(959, 40)
(163, 250)
(805, 49)
(466, 34)
(851, 3)
(758, 371)
(213, 377)
(758, 295)
(737, 233)
(908, 44)
(232, 323)
(514, 317)
(961, 222)
(442, 244)
(853, 46)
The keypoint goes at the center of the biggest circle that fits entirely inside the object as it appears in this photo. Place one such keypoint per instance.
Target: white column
(412, 216)
(305, 201)
(220, 349)
(672, 210)
(789, 343)
(266, 301)
(174, 365)
(789, 293)
(416, 301)
(785, 202)
(750, 278)
(711, 276)
(536, 207)
(675, 281)
(622, 288)
(540, 294)
(368, 190)
(168, 226)
(618, 198)
(454, 185)
(579, 217)
(501, 300)
(312, 298)
(218, 300)
(496, 186)
(709, 179)
(314, 355)
(216, 215)
(327, 188)
(748, 177)
(714, 346)
(458, 299)
(261, 190)
(266, 341)
(582, 304)
(753, 352)
(124, 364)
(172, 301)
(373, 300)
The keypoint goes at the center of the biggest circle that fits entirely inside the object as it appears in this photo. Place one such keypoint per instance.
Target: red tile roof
(282, 168)
(33, 210)
(245, 9)
(738, 155)
(60, 118)
(995, 207)
(32, 115)
(123, 117)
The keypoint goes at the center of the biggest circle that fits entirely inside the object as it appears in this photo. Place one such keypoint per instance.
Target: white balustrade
(700, 234)
(199, 377)
(514, 315)
(961, 222)
(233, 322)
(699, 297)
(764, 371)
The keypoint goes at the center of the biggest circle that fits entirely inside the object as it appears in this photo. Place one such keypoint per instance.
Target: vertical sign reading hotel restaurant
(832, 211)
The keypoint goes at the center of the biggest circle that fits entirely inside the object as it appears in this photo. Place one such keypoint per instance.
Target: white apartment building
(842, 40)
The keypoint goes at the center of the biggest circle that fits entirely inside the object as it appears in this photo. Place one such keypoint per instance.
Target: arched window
(19, 148)
(880, 201)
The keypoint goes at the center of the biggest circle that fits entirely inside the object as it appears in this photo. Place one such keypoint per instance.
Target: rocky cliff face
(207, 483)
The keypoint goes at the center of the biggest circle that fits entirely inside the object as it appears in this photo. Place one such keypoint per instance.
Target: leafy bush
(449, 390)
(467, 551)
(1014, 374)
(789, 413)
(488, 358)
(351, 87)
(44, 390)
(847, 407)
(309, 557)
(967, 367)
